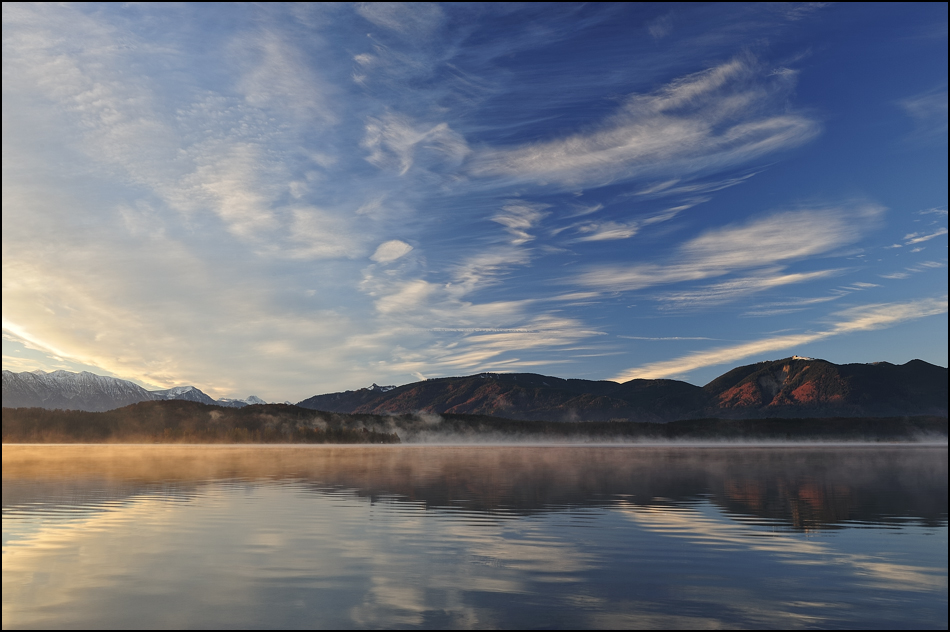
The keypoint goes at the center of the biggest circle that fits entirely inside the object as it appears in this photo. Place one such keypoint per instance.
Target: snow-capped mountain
(187, 393)
(95, 393)
(75, 391)
(238, 403)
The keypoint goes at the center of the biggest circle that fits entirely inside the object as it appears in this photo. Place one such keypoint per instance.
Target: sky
(287, 200)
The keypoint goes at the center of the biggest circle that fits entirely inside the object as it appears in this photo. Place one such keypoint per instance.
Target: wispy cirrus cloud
(497, 350)
(929, 112)
(760, 243)
(218, 153)
(793, 305)
(666, 338)
(862, 318)
(923, 266)
(660, 27)
(320, 234)
(612, 230)
(719, 293)
(605, 231)
(395, 142)
(188, 199)
(483, 269)
(916, 238)
(278, 77)
(411, 19)
(911, 239)
(520, 217)
(726, 115)
(390, 251)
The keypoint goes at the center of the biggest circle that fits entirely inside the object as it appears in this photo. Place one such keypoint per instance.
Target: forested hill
(193, 422)
(792, 387)
(178, 421)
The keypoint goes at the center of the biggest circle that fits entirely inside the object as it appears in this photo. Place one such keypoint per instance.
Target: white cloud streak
(411, 19)
(390, 251)
(394, 142)
(916, 238)
(606, 231)
(863, 318)
(728, 291)
(725, 534)
(713, 118)
(278, 77)
(520, 217)
(319, 234)
(920, 267)
(667, 338)
(661, 26)
(219, 206)
(779, 238)
(929, 111)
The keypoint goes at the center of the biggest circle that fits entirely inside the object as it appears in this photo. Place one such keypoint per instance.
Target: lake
(476, 536)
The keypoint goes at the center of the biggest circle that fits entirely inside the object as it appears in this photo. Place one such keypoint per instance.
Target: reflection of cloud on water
(341, 559)
(215, 556)
(743, 604)
(756, 611)
(650, 621)
(548, 562)
(50, 573)
(805, 488)
(434, 538)
(726, 535)
(465, 558)
(397, 602)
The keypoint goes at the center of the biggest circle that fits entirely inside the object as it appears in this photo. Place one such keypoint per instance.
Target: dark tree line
(182, 422)
(192, 422)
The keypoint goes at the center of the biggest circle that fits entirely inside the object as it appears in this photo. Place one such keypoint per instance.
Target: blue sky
(295, 199)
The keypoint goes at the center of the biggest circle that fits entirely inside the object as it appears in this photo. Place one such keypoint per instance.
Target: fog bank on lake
(474, 536)
(193, 422)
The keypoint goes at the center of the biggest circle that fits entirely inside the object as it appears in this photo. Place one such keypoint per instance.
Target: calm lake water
(474, 537)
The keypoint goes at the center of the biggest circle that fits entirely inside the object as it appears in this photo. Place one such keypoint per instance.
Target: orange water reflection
(805, 488)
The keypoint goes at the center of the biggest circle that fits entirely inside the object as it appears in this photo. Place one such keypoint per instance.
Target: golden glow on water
(400, 536)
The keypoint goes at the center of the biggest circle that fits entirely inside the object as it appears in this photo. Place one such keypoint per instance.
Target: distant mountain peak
(187, 393)
(88, 391)
(70, 391)
(795, 386)
(239, 403)
(791, 387)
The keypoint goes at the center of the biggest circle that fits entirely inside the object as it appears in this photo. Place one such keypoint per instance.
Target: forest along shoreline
(193, 422)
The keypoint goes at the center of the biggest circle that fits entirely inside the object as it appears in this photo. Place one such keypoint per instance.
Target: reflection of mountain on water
(800, 487)
(822, 488)
(805, 503)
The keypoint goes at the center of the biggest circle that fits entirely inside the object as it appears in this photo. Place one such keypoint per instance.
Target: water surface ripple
(474, 537)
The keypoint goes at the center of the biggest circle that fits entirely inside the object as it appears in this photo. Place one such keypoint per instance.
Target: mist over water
(474, 536)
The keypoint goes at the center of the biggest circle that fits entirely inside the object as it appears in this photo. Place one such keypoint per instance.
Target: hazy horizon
(278, 400)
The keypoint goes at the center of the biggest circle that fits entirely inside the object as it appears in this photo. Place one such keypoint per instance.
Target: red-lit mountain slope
(793, 387)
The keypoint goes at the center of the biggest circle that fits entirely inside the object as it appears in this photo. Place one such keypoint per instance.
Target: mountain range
(94, 393)
(787, 388)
